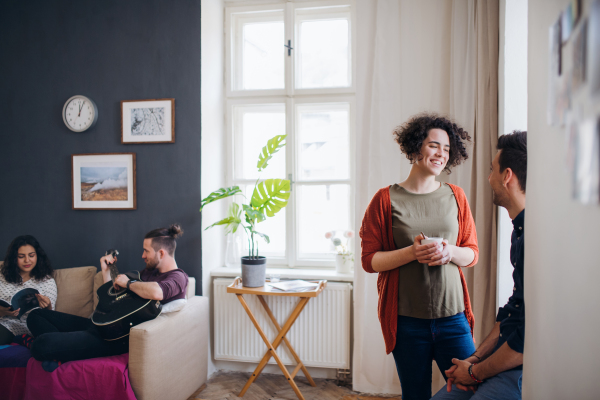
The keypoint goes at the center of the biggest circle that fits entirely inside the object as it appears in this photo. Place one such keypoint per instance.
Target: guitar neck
(113, 271)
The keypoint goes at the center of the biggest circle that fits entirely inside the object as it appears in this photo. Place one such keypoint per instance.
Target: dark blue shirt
(512, 315)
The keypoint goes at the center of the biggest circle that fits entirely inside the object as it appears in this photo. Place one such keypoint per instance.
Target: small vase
(343, 262)
(233, 252)
(254, 271)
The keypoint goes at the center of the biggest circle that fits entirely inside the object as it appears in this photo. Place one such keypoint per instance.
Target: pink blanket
(22, 377)
(97, 378)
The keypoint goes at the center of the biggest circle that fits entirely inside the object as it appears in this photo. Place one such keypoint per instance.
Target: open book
(24, 300)
(294, 286)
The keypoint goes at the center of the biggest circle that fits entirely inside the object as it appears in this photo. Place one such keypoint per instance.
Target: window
(290, 70)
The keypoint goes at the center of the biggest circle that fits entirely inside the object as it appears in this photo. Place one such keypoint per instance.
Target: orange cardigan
(376, 235)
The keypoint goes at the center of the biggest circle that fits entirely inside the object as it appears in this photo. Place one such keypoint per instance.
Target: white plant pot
(343, 263)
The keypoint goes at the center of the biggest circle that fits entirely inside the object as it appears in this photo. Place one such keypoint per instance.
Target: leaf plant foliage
(268, 198)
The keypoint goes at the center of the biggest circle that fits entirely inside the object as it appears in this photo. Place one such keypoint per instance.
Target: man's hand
(458, 385)
(106, 261)
(423, 253)
(458, 374)
(5, 312)
(44, 301)
(444, 256)
(121, 281)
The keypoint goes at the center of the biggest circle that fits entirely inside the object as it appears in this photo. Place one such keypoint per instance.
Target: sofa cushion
(75, 287)
(98, 281)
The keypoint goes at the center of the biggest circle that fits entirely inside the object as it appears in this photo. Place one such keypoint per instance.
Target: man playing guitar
(60, 337)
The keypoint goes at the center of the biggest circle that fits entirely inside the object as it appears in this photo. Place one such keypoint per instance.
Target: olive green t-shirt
(426, 292)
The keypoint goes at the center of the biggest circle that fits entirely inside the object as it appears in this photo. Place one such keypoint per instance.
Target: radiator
(320, 335)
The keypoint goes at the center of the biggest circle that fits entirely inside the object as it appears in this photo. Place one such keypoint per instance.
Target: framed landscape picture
(148, 121)
(103, 181)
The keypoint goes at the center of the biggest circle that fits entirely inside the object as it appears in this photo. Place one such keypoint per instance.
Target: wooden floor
(226, 386)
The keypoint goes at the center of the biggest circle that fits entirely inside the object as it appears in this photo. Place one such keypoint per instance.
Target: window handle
(289, 47)
(291, 182)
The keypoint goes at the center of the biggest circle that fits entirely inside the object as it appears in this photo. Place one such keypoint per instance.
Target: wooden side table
(266, 290)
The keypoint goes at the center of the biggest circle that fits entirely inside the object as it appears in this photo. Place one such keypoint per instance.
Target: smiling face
(26, 259)
(149, 255)
(435, 152)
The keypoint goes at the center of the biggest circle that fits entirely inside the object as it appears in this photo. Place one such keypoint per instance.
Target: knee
(34, 314)
(33, 318)
(39, 347)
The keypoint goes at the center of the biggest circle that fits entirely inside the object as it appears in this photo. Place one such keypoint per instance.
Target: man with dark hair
(161, 280)
(494, 371)
(60, 337)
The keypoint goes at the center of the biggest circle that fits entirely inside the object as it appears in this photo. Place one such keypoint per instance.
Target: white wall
(512, 115)
(213, 141)
(562, 268)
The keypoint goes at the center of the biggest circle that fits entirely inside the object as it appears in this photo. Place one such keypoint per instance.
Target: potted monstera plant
(268, 198)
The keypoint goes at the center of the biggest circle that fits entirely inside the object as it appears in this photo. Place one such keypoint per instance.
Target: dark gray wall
(109, 50)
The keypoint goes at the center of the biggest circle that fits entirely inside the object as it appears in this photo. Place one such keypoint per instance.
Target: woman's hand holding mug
(444, 256)
(425, 251)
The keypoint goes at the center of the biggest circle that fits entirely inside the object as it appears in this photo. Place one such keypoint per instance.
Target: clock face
(79, 113)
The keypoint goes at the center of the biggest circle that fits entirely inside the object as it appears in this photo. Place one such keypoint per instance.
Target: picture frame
(103, 181)
(148, 121)
(586, 173)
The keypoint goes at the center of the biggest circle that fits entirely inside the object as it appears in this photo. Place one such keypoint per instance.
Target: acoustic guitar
(119, 310)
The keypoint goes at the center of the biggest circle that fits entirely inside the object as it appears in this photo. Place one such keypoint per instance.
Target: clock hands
(80, 107)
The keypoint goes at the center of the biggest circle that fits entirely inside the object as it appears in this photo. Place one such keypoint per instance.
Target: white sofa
(168, 356)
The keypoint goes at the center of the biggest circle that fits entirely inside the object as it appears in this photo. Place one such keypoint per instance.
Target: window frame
(291, 97)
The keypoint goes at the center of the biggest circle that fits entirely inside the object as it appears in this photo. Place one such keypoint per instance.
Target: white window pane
(273, 227)
(263, 56)
(321, 209)
(323, 58)
(324, 141)
(253, 127)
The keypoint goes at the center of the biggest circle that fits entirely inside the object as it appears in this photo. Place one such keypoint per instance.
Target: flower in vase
(341, 247)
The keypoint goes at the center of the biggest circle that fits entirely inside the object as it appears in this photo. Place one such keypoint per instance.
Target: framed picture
(148, 121)
(579, 56)
(586, 187)
(569, 17)
(593, 50)
(103, 181)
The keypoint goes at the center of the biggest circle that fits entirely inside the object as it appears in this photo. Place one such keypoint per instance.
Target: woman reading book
(26, 266)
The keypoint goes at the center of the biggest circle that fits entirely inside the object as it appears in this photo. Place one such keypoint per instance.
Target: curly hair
(10, 268)
(412, 133)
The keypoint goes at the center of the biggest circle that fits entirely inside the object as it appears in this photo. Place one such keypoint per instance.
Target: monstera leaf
(262, 235)
(271, 195)
(232, 221)
(272, 147)
(219, 194)
(253, 214)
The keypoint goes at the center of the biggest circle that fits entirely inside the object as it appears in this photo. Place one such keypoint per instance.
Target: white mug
(432, 240)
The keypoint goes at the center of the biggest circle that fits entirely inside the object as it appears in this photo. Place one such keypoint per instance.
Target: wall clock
(80, 113)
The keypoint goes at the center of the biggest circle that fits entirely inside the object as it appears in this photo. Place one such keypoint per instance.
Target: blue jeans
(504, 386)
(419, 341)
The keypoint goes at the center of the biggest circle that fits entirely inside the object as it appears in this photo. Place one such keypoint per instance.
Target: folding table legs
(273, 346)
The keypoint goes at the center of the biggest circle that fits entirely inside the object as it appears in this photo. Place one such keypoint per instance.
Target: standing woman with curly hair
(25, 266)
(424, 305)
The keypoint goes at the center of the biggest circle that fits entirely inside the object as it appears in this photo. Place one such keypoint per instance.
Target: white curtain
(412, 56)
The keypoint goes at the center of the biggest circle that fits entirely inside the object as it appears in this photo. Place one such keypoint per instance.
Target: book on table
(294, 286)
(24, 300)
